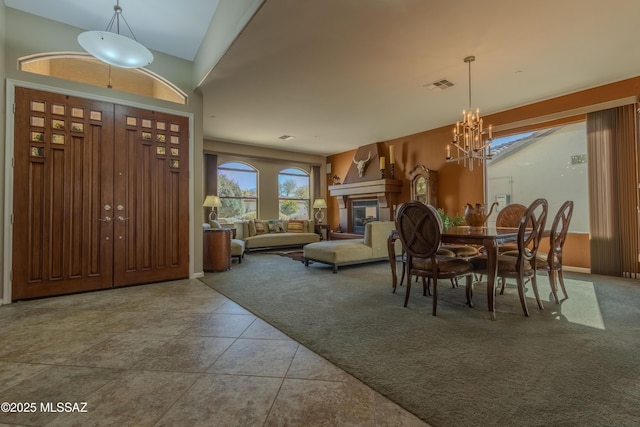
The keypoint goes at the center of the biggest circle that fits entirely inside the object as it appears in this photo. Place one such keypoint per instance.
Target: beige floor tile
(56, 384)
(230, 307)
(219, 325)
(308, 365)
(14, 373)
(262, 330)
(121, 351)
(322, 403)
(49, 347)
(224, 400)
(256, 357)
(133, 399)
(185, 354)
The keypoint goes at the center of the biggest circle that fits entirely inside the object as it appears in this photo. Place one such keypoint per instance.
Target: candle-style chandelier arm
(470, 139)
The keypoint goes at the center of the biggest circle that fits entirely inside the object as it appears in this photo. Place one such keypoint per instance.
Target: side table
(216, 254)
(319, 230)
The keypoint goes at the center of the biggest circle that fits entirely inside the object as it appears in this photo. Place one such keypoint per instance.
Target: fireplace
(366, 194)
(362, 212)
(360, 202)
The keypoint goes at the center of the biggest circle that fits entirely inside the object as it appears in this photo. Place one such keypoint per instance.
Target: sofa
(266, 234)
(372, 247)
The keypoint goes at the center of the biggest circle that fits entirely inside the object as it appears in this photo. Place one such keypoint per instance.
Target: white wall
(543, 169)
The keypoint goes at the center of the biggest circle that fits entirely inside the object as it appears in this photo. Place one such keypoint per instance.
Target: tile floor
(169, 354)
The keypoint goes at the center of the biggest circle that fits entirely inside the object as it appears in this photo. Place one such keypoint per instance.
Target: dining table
(489, 237)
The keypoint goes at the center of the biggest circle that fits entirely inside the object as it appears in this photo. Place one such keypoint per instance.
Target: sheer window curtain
(612, 149)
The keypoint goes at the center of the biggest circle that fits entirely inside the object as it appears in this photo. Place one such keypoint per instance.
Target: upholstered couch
(263, 234)
(372, 247)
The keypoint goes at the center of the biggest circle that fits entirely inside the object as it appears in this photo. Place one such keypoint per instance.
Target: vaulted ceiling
(338, 74)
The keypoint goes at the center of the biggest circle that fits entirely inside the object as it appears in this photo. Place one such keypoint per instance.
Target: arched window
(238, 191)
(293, 193)
(84, 68)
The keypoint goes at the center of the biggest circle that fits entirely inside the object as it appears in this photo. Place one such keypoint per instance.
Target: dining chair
(510, 216)
(419, 228)
(520, 264)
(552, 260)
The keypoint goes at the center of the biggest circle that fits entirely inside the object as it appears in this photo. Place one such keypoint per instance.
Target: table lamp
(212, 202)
(319, 204)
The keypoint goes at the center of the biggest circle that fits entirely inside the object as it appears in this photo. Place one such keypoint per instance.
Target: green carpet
(573, 364)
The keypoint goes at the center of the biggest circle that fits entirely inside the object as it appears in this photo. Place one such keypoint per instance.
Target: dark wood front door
(152, 196)
(100, 195)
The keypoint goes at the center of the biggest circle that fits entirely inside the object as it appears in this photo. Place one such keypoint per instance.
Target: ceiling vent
(439, 85)
(286, 137)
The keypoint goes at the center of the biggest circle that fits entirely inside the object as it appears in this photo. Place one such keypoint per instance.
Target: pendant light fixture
(113, 48)
(469, 140)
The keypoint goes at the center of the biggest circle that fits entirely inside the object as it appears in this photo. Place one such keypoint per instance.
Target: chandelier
(469, 140)
(113, 48)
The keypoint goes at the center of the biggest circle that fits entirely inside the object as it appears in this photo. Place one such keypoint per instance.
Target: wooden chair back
(419, 228)
(559, 230)
(510, 215)
(530, 232)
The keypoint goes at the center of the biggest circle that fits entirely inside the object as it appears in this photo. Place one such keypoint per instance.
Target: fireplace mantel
(382, 190)
(366, 188)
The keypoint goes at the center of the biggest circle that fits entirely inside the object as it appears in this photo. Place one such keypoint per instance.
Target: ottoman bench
(372, 247)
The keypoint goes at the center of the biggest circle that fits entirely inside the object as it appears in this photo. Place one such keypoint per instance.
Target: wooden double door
(100, 195)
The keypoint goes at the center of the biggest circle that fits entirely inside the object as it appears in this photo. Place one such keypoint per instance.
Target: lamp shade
(319, 204)
(114, 49)
(212, 202)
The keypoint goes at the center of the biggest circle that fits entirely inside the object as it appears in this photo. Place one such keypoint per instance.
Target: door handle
(121, 218)
(105, 219)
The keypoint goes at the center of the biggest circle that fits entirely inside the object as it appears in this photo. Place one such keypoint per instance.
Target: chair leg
(503, 281)
(523, 302)
(552, 284)
(425, 286)
(406, 297)
(402, 276)
(561, 280)
(435, 295)
(534, 285)
(469, 290)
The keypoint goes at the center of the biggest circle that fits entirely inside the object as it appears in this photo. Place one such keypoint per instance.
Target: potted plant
(448, 221)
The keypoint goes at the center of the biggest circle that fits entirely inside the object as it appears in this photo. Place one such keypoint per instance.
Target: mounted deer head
(361, 164)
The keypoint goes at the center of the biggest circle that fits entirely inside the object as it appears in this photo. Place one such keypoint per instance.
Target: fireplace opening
(362, 212)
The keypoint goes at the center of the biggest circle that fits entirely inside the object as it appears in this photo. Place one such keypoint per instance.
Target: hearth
(362, 212)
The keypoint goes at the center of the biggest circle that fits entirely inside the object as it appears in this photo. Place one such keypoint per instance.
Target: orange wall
(456, 184)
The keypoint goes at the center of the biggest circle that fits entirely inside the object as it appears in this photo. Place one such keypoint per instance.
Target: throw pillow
(275, 226)
(252, 228)
(260, 229)
(295, 226)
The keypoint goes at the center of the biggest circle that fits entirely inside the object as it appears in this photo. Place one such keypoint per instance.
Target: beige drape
(612, 148)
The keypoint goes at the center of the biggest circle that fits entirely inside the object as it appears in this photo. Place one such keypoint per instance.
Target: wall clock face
(421, 186)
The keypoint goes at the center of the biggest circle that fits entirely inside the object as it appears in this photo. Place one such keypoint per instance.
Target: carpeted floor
(573, 364)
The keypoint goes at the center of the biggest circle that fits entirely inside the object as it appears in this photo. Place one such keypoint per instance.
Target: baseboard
(576, 269)
(197, 275)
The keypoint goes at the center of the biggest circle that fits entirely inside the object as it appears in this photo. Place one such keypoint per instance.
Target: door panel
(62, 177)
(152, 186)
(100, 195)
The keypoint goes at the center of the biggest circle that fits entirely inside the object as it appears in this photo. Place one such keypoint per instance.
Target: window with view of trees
(293, 194)
(238, 191)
